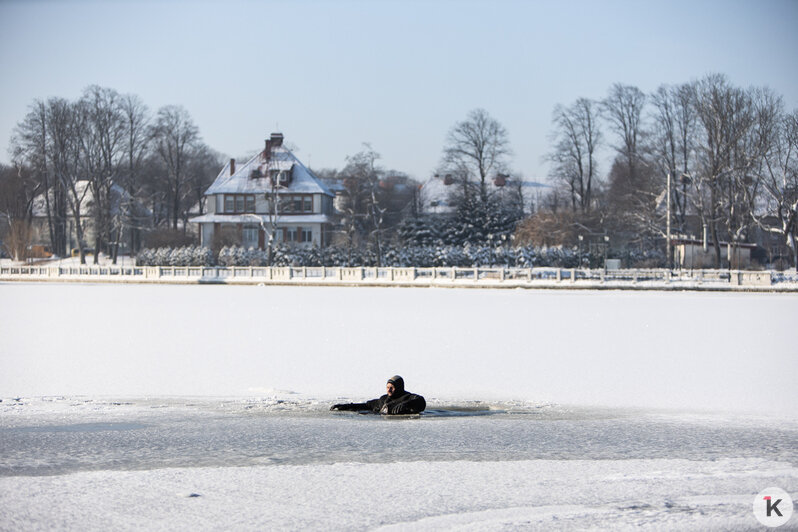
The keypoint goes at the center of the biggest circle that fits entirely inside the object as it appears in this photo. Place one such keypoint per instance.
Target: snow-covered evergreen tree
(420, 231)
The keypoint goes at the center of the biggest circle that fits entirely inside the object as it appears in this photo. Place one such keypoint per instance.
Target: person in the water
(395, 401)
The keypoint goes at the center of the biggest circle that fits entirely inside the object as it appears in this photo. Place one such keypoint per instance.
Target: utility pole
(668, 225)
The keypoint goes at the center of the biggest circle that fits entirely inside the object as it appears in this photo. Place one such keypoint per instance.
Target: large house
(272, 192)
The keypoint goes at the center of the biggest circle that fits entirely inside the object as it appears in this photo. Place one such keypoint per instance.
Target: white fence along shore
(493, 277)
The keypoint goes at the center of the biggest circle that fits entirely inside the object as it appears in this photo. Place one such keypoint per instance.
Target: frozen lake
(191, 407)
(266, 464)
(651, 349)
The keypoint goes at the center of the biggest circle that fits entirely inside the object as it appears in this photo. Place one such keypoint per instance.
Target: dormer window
(281, 177)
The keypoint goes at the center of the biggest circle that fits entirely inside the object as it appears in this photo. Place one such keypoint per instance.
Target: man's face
(390, 388)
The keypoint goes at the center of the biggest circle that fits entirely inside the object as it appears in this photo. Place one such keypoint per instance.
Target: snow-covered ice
(276, 464)
(206, 407)
(687, 350)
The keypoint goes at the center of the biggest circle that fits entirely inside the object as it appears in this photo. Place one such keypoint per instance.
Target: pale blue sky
(396, 74)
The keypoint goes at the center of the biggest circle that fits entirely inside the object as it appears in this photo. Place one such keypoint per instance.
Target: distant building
(435, 195)
(128, 218)
(690, 253)
(239, 202)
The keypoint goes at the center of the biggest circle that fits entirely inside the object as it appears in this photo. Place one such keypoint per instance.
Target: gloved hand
(384, 410)
(336, 407)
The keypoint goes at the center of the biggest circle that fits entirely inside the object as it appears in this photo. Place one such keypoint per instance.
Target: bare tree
(576, 136)
(135, 147)
(632, 192)
(31, 146)
(673, 141)
(103, 152)
(634, 207)
(760, 124)
(623, 108)
(363, 190)
(203, 165)
(47, 140)
(175, 136)
(476, 147)
(779, 179)
(17, 192)
(671, 151)
(726, 116)
(67, 126)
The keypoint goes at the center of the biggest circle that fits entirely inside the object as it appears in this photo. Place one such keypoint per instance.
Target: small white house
(273, 191)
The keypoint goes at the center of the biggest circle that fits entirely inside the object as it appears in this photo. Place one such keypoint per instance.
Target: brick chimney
(232, 166)
(267, 151)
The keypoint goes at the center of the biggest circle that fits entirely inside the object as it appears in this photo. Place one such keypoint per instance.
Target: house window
(296, 204)
(239, 203)
(297, 234)
(249, 236)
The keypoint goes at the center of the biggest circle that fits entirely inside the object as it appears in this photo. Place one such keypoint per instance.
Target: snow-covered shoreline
(126, 271)
(458, 278)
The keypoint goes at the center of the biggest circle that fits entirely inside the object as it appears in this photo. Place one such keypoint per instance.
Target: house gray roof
(242, 181)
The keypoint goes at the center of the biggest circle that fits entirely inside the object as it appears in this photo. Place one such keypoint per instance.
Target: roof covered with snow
(263, 218)
(435, 196)
(120, 201)
(252, 176)
(435, 192)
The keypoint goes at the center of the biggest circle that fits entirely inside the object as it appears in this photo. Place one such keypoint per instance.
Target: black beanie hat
(398, 382)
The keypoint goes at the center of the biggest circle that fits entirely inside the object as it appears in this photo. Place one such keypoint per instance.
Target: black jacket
(401, 403)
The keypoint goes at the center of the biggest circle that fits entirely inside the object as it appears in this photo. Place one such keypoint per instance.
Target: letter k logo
(772, 506)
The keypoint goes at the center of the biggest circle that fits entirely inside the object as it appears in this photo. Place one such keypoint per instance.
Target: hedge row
(417, 256)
